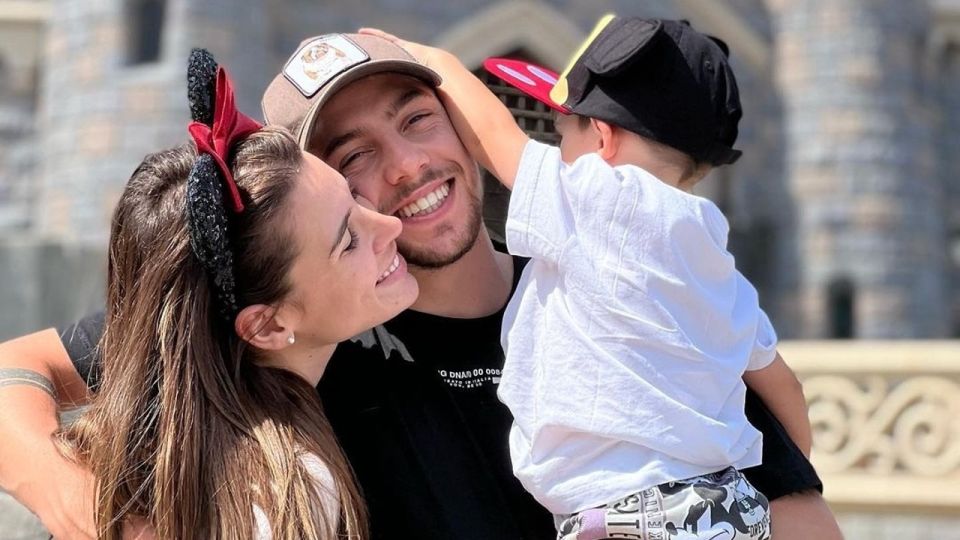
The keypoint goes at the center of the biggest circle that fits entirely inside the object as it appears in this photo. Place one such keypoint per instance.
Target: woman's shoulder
(326, 489)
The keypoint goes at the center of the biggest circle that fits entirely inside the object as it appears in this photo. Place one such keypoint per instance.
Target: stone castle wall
(862, 166)
(841, 158)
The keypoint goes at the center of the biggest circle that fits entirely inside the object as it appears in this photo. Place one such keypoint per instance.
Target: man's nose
(405, 161)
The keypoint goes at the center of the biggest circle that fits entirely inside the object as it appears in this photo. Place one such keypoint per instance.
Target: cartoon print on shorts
(719, 506)
(725, 509)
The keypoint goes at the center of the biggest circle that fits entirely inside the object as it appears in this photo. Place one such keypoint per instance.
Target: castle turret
(862, 167)
(114, 90)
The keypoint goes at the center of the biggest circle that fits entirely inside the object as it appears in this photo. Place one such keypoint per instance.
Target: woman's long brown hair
(186, 428)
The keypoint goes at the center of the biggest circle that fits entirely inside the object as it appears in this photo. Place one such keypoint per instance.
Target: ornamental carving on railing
(880, 425)
(886, 420)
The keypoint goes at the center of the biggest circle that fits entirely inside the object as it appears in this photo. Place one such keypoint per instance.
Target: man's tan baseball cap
(323, 65)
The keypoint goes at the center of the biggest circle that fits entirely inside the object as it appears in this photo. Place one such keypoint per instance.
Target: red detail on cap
(229, 126)
(531, 79)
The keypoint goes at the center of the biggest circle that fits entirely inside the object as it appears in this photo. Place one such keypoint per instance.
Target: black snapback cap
(658, 78)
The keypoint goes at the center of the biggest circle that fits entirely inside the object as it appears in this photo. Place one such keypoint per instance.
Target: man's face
(390, 137)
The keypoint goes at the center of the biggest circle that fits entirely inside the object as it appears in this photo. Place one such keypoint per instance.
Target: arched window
(144, 30)
(533, 117)
(840, 303)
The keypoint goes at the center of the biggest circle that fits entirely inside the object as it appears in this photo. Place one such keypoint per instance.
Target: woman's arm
(31, 467)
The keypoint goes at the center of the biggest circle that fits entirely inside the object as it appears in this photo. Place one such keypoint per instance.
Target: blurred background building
(843, 209)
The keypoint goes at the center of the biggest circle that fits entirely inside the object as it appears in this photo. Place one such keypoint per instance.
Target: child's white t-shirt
(627, 337)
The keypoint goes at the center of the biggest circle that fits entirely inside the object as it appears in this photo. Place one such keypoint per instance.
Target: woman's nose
(386, 230)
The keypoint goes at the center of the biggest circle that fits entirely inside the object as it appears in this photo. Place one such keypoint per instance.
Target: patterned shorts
(717, 506)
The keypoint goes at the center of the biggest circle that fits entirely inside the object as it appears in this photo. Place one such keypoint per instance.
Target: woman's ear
(609, 139)
(259, 326)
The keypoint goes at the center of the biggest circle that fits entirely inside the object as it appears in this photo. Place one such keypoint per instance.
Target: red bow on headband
(229, 126)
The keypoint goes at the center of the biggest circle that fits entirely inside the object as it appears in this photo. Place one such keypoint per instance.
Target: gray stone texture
(947, 63)
(850, 164)
(861, 165)
(846, 135)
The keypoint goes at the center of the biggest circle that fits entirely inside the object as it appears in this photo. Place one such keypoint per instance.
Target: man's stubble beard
(428, 258)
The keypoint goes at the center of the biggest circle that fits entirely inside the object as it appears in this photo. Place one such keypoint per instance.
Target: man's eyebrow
(337, 142)
(403, 99)
(339, 237)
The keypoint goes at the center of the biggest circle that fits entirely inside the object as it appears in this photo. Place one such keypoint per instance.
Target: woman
(233, 273)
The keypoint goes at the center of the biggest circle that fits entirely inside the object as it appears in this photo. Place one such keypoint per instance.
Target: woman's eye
(353, 240)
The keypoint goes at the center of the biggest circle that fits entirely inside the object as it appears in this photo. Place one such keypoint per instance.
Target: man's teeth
(393, 268)
(426, 204)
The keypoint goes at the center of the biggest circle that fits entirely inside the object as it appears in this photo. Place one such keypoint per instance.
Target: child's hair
(692, 169)
(187, 429)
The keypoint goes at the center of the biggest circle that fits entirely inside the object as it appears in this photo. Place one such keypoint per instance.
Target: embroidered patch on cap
(320, 60)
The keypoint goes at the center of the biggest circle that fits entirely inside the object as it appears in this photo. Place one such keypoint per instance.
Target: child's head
(580, 135)
(667, 89)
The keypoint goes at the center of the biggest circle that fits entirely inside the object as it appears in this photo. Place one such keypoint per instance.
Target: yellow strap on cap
(560, 92)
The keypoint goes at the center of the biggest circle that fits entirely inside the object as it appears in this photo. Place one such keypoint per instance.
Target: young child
(631, 332)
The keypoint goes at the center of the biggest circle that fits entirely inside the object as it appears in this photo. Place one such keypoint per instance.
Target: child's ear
(263, 327)
(609, 139)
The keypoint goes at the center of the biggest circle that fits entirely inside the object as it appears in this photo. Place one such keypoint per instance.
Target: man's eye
(350, 158)
(417, 117)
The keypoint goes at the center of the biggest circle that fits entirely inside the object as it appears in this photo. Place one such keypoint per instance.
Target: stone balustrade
(886, 421)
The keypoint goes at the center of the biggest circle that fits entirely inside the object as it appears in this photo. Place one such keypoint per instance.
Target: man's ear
(609, 139)
(259, 326)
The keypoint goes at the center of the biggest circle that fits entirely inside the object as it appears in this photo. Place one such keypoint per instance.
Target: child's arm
(484, 124)
(782, 393)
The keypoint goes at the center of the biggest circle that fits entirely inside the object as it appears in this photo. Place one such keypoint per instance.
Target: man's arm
(484, 124)
(31, 467)
(782, 393)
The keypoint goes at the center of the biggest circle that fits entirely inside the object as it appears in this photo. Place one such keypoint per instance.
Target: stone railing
(886, 420)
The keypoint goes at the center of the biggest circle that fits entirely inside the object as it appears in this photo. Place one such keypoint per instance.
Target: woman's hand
(62, 499)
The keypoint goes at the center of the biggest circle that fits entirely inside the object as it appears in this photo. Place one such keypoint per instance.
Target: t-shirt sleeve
(765, 346)
(765, 342)
(538, 216)
(80, 340)
(553, 202)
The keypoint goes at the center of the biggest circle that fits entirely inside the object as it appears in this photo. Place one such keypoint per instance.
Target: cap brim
(403, 67)
(531, 79)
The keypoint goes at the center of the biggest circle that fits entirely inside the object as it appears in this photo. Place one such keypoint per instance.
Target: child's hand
(422, 53)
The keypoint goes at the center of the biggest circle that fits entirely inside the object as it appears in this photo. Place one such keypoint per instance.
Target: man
(414, 401)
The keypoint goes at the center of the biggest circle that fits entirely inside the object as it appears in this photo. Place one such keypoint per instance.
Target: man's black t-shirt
(414, 405)
(418, 416)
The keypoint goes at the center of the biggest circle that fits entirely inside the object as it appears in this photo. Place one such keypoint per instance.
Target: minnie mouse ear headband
(217, 125)
(660, 79)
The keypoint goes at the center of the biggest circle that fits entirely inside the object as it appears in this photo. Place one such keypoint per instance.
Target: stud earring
(291, 340)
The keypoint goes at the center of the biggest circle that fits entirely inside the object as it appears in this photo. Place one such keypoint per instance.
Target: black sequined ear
(208, 230)
(201, 81)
